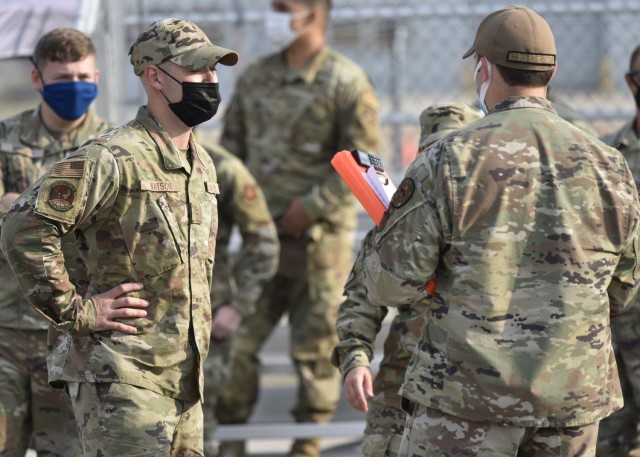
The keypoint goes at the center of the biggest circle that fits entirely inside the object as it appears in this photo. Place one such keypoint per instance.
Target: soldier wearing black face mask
(142, 199)
(619, 434)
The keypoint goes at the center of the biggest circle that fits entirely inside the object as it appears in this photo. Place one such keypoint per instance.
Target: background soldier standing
(291, 112)
(143, 201)
(359, 322)
(515, 356)
(237, 282)
(619, 434)
(66, 76)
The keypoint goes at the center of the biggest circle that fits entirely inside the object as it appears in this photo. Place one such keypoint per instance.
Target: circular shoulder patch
(61, 195)
(403, 192)
(250, 193)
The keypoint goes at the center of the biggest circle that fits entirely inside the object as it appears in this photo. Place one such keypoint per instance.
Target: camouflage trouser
(217, 371)
(28, 405)
(311, 298)
(385, 418)
(120, 420)
(436, 434)
(383, 433)
(619, 434)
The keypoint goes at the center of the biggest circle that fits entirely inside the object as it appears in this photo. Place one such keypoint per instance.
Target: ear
(555, 69)
(36, 80)
(313, 16)
(482, 67)
(97, 75)
(631, 84)
(150, 74)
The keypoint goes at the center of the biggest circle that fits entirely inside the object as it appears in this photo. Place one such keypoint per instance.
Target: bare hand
(295, 220)
(225, 322)
(114, 304)
(358, 387)
(7, 200)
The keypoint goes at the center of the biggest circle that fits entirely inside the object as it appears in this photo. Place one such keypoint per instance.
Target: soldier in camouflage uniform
(531, 227)
(359, 322)
(619, 434)
(236, 284)
(291, 112)
(142, 202)
(65, 63)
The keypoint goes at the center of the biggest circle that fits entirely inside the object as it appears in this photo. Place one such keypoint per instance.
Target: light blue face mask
(70, 100)
(485, 85)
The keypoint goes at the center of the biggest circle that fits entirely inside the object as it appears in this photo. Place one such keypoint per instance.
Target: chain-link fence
(411, 49)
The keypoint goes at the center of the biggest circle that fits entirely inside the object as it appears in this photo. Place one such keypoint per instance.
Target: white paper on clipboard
(381, 185)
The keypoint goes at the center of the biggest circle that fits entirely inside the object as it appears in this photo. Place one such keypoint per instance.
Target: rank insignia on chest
(403, 193)
(61, 195)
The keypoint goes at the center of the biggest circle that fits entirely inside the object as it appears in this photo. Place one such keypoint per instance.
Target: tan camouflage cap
(515, 37)
(439, 120)
(180, 41)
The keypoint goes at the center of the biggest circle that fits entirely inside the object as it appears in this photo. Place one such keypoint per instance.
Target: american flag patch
(73, 169)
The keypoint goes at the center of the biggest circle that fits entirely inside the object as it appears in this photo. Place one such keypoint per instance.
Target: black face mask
(199, 102)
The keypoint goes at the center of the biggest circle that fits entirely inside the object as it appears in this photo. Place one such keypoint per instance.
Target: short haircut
(63, 45)
(634, 55)
(524, 78)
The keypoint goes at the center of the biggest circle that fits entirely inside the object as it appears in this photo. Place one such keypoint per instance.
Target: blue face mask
(70, 100)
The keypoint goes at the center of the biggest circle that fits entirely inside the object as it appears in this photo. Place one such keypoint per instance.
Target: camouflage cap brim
(205, 56)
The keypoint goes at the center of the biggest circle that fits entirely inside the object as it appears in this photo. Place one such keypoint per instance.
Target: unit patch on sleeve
(403, 193)
(250, 193)
(61, 195)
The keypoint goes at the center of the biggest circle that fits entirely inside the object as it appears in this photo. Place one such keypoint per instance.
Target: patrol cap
(515, 37)
(440, 119)
(180, 41)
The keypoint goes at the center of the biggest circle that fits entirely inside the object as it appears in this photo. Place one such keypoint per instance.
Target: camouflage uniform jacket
(358, 324)
(144, 218)
(531, 227)
(626, 141)
(286, 125)
(27, 149)
(241, 204)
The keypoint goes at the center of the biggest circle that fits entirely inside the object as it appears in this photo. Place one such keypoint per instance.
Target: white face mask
(485, 85)
(278, 28)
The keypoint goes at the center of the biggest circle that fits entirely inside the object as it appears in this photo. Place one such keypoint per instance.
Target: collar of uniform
(197, 151)
(307, 74)
(33, 132)
(170, 154)
(516, 102)
(36, 135)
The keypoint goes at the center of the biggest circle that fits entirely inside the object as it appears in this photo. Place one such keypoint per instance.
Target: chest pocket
(151, 235)
(21, 170)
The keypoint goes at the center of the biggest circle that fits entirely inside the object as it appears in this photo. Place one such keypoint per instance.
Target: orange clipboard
(352, 167)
